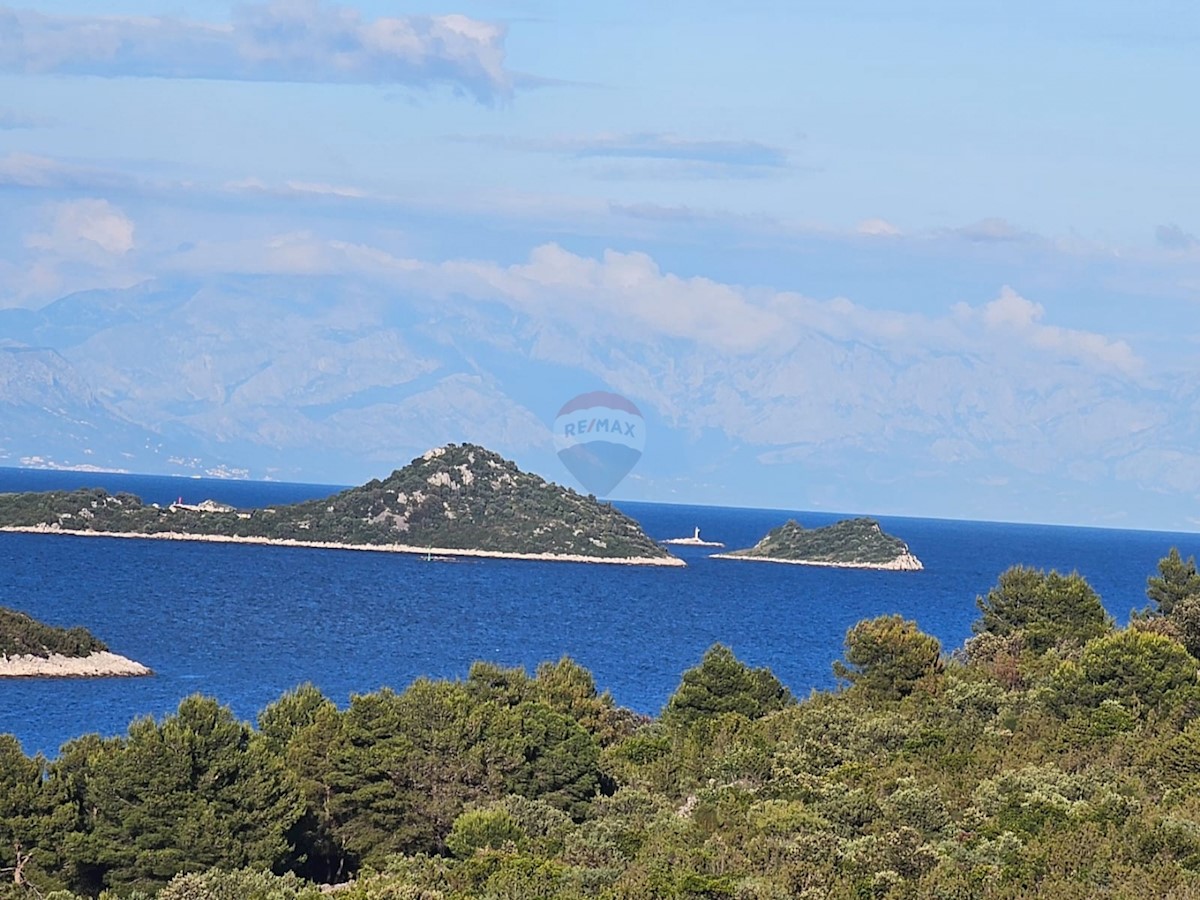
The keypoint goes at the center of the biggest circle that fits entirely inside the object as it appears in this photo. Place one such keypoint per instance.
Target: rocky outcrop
(102, 664)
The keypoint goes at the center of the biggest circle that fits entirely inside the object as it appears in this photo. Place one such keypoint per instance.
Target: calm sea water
(244, 623)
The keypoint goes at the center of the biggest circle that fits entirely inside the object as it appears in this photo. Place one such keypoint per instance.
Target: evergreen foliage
(724, 684)
(1039, 763)
(888, 656)
(21, 635)
(1044, 608)
(1177, 580)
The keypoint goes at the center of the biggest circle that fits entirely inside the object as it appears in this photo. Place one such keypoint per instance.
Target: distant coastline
(324, 545)
(101, 664)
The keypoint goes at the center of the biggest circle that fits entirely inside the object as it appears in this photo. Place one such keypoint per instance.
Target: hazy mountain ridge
(330, 378)
(285, 377)
(52, 417)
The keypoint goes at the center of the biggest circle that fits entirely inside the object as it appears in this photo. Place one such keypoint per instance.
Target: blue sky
(928, 258)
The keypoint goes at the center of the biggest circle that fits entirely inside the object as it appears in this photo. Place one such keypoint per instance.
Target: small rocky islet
(851, 543)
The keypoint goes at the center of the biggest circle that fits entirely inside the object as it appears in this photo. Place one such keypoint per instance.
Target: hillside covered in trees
(458, 497)
(1053, 755)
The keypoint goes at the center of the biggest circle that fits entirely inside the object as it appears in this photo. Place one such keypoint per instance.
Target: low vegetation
(21, 635)
(849, 542)
(1055, 755)
(456, 497)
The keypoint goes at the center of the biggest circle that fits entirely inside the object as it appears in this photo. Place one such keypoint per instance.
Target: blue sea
(245, 623)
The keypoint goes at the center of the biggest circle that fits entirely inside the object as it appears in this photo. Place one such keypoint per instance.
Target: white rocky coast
(95, 665)
(905, 562)
(378, 548)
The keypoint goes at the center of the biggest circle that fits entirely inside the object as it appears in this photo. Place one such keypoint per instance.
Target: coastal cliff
(29, 648)
(852, 543)
(460, 500)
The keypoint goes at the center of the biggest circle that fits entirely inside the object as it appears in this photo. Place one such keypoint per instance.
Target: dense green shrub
(1140, 670)
(22, 635)
(1045, 608)
(724, 684)
(888, 656)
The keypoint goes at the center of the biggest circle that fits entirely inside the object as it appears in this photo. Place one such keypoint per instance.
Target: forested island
(851, 543)
(1054, 755)
(29, 648)
(455, 500)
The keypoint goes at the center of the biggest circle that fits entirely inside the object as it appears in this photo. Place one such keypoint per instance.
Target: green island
(1053, 755)
(852, 543)
(29, 648)
(458, 500)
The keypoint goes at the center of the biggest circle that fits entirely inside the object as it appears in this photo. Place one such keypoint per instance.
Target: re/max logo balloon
(599, 437)
(582, 428)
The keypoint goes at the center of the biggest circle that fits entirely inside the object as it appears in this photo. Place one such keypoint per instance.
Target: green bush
(22, 635)
(887, 656)
(1140, 670)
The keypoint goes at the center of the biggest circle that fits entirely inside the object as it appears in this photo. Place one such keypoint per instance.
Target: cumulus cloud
(82, 244)
(630, 289)
(283, 40)
(81, 228)
(1021, 319)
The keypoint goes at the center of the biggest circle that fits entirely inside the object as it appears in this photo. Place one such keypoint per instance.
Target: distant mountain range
(253, 377)
(331, 379)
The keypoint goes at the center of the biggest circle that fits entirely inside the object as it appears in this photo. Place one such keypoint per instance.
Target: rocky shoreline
(378, 548)
(906, 562)
(102, 664)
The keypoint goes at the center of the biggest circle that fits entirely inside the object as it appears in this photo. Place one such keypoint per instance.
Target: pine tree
(1176, 581)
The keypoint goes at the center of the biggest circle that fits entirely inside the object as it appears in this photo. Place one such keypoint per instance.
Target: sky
(928, 258)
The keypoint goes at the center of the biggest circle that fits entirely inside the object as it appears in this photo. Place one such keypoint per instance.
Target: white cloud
(73, 245)
(1011, 310)
(627, 295)
(79, 228)
(991, 389)
(283, 40)
(878, 228)
(289, 253)
(1022, 320)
